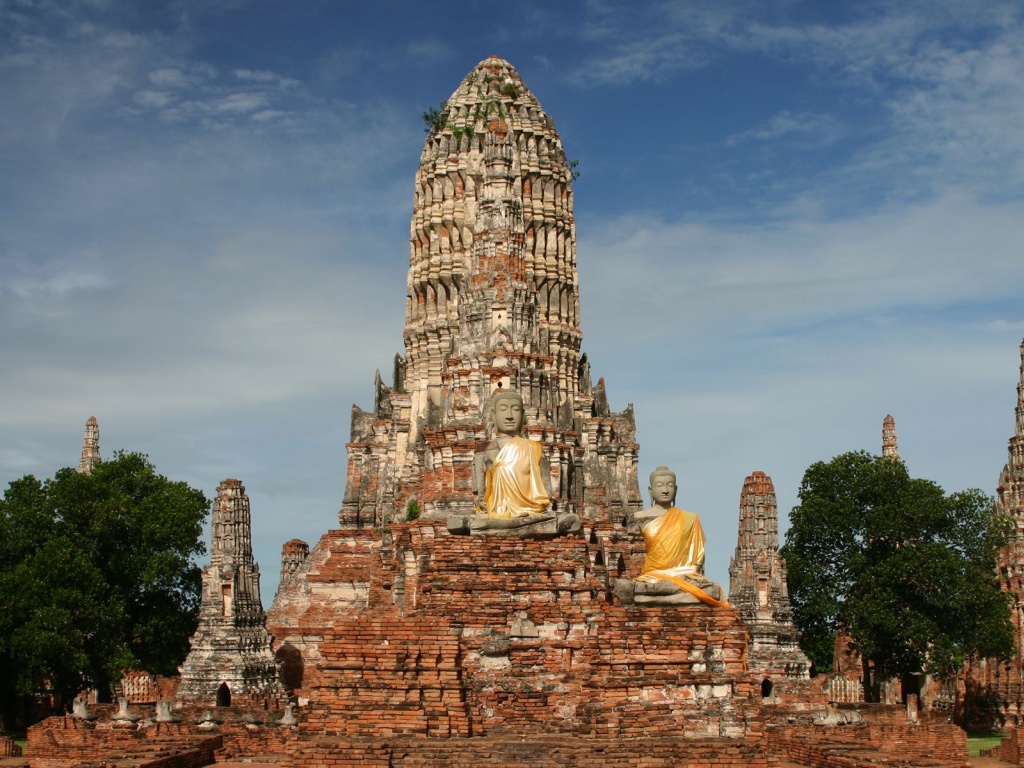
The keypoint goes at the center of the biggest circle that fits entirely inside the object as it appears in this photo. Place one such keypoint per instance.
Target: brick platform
(418, 632)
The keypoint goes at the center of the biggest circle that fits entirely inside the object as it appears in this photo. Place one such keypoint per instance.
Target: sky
(793, 218)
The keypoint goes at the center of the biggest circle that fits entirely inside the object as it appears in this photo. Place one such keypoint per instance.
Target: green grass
(978, 742)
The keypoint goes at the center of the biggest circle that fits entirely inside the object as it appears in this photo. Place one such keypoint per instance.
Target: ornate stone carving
(492, 301)
(231, 656)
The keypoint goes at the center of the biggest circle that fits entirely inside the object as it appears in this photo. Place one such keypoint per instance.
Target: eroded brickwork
(493, 301)
(417, 632)
(230, 659)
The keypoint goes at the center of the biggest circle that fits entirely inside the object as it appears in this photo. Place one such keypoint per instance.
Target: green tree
(906, 570)
(98, 573)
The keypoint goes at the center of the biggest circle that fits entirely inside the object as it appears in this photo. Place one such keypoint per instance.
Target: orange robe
(675, 551)
(514, 486)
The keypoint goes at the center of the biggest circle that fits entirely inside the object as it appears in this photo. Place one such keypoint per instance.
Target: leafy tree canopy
(97, 574)
(907, 570)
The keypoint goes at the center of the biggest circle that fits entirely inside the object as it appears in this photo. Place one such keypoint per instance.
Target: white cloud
(153, 99)
(818, 129)
(802, 268)
(266, 78)
(241, 102)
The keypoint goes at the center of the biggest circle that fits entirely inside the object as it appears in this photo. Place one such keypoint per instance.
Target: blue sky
(792, 217)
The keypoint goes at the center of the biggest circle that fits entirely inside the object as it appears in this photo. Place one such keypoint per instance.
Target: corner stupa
(759, 591)
(492, 302)
(231, 658)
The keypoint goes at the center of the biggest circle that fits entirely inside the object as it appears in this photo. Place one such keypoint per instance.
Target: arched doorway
(223, 695)
(766, 688)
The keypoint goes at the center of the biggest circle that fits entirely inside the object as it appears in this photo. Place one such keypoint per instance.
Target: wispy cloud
(430, 49)
(807, 128)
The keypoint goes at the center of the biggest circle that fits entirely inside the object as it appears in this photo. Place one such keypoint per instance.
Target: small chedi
(231, 658)
(759, 591)
(674, 541)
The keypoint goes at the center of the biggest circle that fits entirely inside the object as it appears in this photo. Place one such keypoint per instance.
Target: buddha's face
(663, 490)
(508, 415)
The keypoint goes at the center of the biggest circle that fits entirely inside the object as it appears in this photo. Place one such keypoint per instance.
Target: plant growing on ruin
(435, 119)
(412, 510)
(905, 569)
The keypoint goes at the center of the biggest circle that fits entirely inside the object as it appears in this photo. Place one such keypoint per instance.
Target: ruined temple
(492, 301)
(393, 627)
(404, 645)
(231, 659)
(759, 592)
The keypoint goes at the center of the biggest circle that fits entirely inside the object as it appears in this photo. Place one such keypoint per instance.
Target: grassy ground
(980, 741)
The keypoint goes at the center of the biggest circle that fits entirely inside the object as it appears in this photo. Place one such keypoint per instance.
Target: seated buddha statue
(510, 487)
(673, 571)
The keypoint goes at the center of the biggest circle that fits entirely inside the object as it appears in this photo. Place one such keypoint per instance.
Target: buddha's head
(663, 487)
(507, 412)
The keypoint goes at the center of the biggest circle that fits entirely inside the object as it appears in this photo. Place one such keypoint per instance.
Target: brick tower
(492, 302)
(90, 446)
(759, 592)
(231, 658)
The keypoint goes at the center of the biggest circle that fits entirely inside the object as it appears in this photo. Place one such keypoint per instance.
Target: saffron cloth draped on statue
(675, 552)
(514, 485)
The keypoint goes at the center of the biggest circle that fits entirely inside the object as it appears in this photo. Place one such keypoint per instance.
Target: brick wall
(62, 742)
(869, 744)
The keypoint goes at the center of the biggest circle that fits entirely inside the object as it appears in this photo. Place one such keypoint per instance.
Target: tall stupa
(393, 627)
(492, 302)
